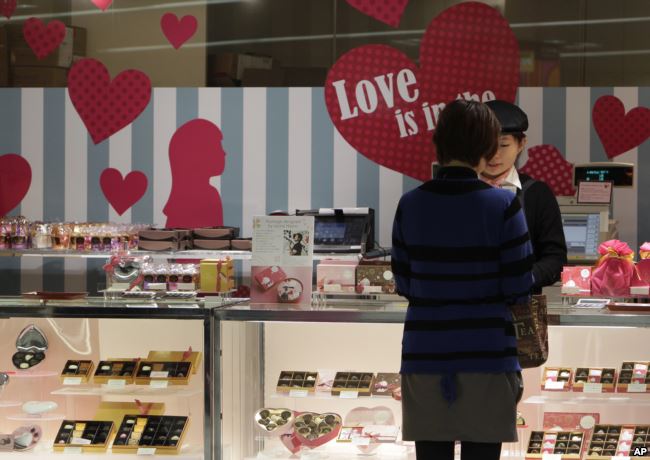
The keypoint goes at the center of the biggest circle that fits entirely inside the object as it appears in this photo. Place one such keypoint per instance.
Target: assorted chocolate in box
(116, 370)
(612, 441)
(375, 277)
(297, 380)
(77, 371)
(557, 379)
(359, 382)
(633, 377)
(336, 275)
(568, 444)
(162, 433)
(174, 372)
(386, 383)
(603, 379)
(89, 435)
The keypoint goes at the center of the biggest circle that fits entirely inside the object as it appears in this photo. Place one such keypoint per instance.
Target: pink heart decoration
(7, 8)
(107, 106)
(546, 163)
(15, 180)
(619, 131)
(178, 31)
(387, 11)
(43, 39)
(102, 4)
(467, 51)
(122, 193)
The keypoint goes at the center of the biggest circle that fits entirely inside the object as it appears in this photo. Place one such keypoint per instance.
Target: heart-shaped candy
(274, 421)
(387, 11)
(107, 106)
(313, 430)
(7, 8)
(43, 39)
(178, 31)
(386, 107)
(122, 193)
(617, 130)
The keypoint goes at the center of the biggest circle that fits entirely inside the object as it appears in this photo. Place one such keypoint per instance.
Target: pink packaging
(336, 275)
(576, 280)
(613, 274)
(643, 265)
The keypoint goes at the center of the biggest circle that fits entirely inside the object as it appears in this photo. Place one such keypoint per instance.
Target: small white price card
(551, 385)
(349, 394)
(116, 383)
(595, 192)
(81, 441)
(593, 387)
(361, 441)
(551, 456)
(72, 381)
(637, 388)
(72, 450)
(159, 384)
(298, 393)
(159, 374)
(147, 451)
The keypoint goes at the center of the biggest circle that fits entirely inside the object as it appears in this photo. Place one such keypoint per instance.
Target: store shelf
(32, 374)
(39, 454)
(129, 390)
(22, 417)
(581, 399)
(323, 395)
(4, 404)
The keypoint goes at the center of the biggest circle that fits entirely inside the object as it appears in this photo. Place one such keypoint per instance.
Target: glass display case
(74, 371)
(319, 381)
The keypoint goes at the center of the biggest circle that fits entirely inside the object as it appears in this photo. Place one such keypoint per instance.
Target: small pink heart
(15, 180)
(387, 11)
(43, 39)
(122, 193)
(178, 31)
(618, 131)
(7, 8)
(102, 4)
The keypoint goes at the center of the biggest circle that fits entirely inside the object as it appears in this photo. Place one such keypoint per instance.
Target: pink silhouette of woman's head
(196, 150)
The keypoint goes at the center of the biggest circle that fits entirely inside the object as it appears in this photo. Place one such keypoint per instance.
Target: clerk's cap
(510, 116)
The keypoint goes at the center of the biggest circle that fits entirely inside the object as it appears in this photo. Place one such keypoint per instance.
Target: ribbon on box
(614, 271)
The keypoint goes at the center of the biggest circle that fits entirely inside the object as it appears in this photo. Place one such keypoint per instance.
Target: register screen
(581, 232)
(330, 232)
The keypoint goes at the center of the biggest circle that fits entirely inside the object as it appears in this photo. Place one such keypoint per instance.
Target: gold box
(174, 372)
(193, 356)
(557, 376)
(568, 444)
(115, 370)
(163, 433)
(77, 433)
(217, 275)
(78, 369)
(297, 380)
(360, 382)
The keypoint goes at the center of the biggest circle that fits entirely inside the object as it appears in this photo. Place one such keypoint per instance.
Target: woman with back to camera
(540, 205)
(461, 255)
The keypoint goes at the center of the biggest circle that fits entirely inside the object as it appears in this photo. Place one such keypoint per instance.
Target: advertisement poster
(282, 264)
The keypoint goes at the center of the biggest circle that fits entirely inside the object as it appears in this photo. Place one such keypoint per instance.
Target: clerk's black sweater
(546, 232)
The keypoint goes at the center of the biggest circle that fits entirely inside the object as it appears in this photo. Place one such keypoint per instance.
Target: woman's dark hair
(466, 131)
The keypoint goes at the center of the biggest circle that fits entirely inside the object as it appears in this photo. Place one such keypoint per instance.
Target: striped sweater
(461, 254)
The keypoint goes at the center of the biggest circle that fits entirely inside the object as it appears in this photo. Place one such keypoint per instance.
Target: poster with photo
(282, 265)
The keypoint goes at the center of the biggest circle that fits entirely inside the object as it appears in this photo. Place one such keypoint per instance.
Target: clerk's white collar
(512, 180)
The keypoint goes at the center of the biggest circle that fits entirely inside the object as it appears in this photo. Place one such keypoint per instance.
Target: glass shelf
(379, 400)
(48, 417)
(4, 404)
(128, 390)
(570, 398)
(38, 454)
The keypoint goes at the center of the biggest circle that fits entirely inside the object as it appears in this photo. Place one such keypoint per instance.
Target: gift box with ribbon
(217, 275)
(613, 274)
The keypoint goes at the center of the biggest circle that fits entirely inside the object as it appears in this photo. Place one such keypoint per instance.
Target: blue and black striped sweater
(461, 254)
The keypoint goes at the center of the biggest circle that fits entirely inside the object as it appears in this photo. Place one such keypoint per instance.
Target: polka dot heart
(7, 8)
(43, 39)
(107, 106)
(122, 193)
(619, 132)
(15, 180)
(546, 163)
(387, 11)
(467, 51)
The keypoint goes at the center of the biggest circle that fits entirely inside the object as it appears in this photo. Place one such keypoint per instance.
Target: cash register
(342, 230)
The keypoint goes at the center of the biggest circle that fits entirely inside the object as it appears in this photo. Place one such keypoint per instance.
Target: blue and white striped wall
(282, 153)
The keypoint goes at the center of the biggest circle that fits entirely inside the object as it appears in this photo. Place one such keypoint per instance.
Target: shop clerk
(540, 205)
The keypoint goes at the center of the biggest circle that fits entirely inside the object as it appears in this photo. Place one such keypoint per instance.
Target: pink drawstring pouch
(612, 275)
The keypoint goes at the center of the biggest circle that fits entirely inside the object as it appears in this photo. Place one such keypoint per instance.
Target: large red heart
(389, 12)
(107, 106)
(43, 39)
(7, 8)
(618, 131)
(546, 163)
(178, 31)
(15, 179)
(467, 51)
(122, 193)
(102, 4)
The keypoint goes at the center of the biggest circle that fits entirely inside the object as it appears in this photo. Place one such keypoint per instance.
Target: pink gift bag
(612, 275)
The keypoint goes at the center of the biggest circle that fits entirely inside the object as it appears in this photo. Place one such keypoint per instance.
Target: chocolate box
(242, 244)
(215, 233)
(386, 383)
(633, 377)
(211, 245)
(557, 379)
(297, 380)
(375, 276)
(336, 275)
(217, 275)
(174, 372)
(163, 433)
(568, 444)
(576, 280)
(605, 377)
(77, 370)
(89, 435)
(613, 441)
(164, 240)
(360, 382)
(115, 370)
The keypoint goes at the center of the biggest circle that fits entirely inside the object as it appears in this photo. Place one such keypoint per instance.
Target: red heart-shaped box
(375, 94)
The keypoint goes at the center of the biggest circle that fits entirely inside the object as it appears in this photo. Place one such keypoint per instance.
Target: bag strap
(524, 187)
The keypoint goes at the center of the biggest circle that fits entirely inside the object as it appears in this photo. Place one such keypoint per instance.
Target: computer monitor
(582, 234)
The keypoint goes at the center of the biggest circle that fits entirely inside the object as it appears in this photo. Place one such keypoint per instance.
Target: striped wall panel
(282, 153)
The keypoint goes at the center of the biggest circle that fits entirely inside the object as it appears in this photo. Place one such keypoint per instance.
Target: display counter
(334, 339)
(92, 334)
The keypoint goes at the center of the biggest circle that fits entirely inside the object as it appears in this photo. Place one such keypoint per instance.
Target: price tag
(361, 441)
(72, 450)
(116, 383)
(159, 384)
(298, 393)
(349, 394)
(159, 374)
(637, 388)
(332, 288)
(550, 385)
(593, 387)
(81, 441)
(72, 381)
(146, 451)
